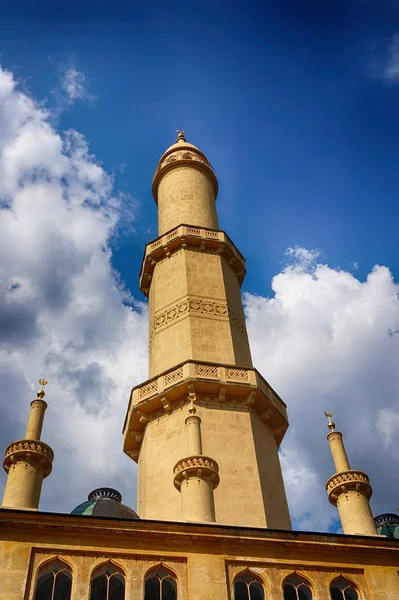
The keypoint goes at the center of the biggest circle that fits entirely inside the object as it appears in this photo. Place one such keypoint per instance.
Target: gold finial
(331, 424)
(180, 135)
(41, 393)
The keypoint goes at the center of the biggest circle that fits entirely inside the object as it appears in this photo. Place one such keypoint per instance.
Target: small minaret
(349, 490)
(196, 476)
(27, 462)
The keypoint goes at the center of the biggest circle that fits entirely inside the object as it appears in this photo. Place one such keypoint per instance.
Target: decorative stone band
(192, 420)
(196, 238)
(334, 435)
(200, 467)
(348, 481)
(183, 155)
(36, 403)
(34, 452)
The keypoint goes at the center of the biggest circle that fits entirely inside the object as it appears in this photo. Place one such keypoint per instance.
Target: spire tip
(41, 393)
(331, 424)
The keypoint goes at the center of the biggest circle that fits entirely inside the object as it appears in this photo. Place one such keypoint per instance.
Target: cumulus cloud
(74, 84)
(391, 69)
(327, 341)
(63, 310)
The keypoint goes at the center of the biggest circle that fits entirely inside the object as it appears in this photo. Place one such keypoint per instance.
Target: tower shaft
(199, 349)
(27, 462)
(350, 491)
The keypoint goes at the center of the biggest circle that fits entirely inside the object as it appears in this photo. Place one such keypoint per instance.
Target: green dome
(388, 524)
(105, 502)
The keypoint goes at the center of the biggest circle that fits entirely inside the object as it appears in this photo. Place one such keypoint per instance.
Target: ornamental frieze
(348, 481)
(195, 306)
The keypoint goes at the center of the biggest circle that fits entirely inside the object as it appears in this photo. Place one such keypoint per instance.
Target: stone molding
(240, 388)
(30, 451)
(334, 435)
(37, 524)
(36, 403)
(194, 238)
(197, 306)
(192, 420)
(199, 466)
(183, 157)
(348, 481)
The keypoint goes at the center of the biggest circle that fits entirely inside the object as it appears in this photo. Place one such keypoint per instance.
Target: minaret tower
(349, 490)
(27, 462)
(199, 357)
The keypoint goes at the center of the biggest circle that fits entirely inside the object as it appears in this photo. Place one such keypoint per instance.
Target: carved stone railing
(220, 384)
(348, 481)
(32, 451)
(196, 237)
(199, 466)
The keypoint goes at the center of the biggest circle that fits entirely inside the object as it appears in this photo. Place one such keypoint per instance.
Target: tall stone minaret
(349, 490)
(27, 462)
(219, 462)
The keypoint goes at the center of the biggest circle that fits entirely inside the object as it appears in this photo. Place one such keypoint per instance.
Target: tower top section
(183, 154)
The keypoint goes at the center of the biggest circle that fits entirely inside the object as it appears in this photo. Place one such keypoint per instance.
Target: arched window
(248, 587)
(160, 584)
(296, 587)
(107, 583)
(54, 581)
(343, 589)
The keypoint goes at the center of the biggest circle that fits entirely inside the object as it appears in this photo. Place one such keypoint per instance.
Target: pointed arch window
(248, 587)
(107, 583)
(160, 584)
(54, 581)
(343, 589)
(296, 587)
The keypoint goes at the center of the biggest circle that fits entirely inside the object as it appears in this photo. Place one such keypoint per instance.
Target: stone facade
(205, 560)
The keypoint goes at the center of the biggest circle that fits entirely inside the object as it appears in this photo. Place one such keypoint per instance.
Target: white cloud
(74, 84)
(327, 341)
(62, 311)
(391, 69)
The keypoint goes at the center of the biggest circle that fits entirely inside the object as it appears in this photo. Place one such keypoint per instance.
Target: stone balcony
(32, 451)
(347, 481)
(195, 381)
(196, 237)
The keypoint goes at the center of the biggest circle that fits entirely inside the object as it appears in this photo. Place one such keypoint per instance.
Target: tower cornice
(225, 383)
(32, 451)
(197, 238)
(183, 154)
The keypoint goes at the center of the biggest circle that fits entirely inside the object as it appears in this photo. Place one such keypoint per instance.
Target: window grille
(54, 581)
(107, 583)
(296, 587)
(160, 584)
(248, 587)
(342, 589)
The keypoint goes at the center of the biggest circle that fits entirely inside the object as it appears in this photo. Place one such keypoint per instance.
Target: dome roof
(182, 153)
(387, 524)
(105, 502)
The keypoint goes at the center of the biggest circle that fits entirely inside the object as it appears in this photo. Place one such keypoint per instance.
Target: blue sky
(296, 106)
(287, 99)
